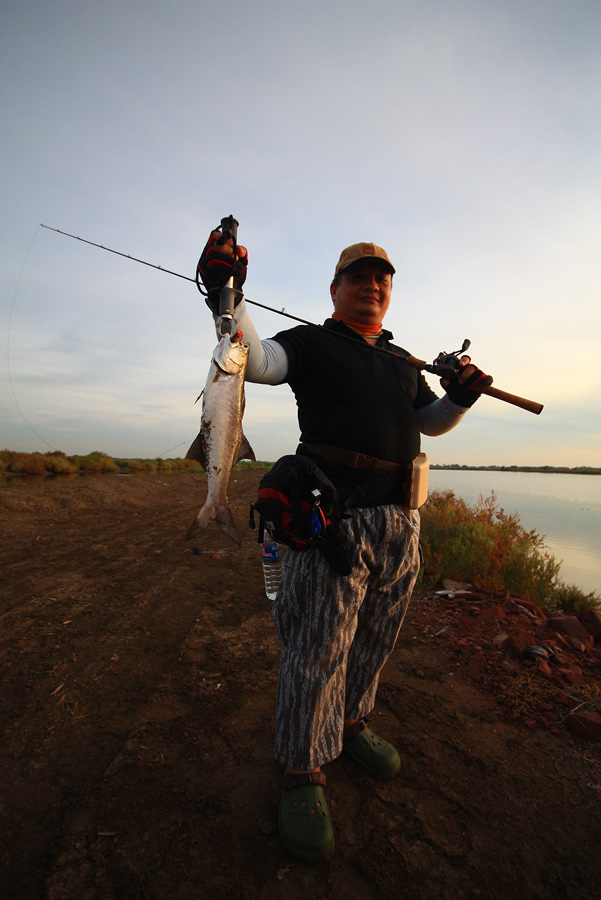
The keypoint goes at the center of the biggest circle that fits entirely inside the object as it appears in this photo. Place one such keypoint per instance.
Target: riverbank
(138, 676)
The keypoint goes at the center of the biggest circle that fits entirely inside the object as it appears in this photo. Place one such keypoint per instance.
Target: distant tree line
(565, 470)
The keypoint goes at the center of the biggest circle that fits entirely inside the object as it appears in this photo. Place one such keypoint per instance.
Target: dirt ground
(138, 684)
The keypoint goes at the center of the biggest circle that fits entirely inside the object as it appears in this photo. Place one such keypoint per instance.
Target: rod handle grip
(529, 405)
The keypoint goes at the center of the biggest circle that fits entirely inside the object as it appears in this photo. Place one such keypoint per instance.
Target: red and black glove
(465, 393)
(219, 261)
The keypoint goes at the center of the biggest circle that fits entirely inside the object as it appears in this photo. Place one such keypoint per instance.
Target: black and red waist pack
(299, 506)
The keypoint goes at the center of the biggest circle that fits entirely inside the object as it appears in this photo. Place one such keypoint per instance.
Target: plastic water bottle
(273, 565)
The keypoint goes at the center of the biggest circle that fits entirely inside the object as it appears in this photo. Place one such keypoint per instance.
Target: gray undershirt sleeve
(440, 416)
(267, 360)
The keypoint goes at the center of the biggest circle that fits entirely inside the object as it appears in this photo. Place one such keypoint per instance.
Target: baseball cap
(366, 251)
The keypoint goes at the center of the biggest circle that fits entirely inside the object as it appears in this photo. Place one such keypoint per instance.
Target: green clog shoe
(304, 821)
(375, 755)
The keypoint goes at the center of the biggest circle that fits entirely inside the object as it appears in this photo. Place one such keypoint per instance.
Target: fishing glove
(216, 266)
(467, 392)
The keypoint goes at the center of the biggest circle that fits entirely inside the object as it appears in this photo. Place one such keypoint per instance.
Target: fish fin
(245, 451)
(226, 522)
(222, 515)
(197, 450)
(205, 515)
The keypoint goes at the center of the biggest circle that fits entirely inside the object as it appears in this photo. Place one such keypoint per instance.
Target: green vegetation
(96, 463)
(484, 545)
(481, 544)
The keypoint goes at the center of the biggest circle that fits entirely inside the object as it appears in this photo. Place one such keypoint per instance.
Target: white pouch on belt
(419, 481)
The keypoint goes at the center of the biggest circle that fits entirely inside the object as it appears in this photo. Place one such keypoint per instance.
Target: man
(360, 413)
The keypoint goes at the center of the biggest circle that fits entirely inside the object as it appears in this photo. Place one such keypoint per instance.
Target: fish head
(231, 353)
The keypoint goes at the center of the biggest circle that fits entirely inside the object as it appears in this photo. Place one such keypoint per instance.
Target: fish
(221, 443)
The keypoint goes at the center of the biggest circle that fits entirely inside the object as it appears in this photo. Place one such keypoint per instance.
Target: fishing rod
(280, 312)
(446, 365)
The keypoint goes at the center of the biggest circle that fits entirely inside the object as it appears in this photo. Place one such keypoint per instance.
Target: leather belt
(353, 460)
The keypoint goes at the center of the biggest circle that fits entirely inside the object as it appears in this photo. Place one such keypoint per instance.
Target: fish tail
(205, 515)
(221, 514)
(225, 520)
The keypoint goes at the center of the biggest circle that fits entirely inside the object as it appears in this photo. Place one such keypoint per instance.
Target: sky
(464, 136)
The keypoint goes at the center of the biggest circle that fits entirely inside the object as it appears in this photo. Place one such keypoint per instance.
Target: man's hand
(467, 387)
(219, 261)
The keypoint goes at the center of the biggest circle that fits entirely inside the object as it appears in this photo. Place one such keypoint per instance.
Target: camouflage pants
(337, 632)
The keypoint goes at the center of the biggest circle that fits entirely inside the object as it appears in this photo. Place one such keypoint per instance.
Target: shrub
(33, 464)
(59, 464)
(131, 466)
(95, 463)
(570, 599)
(484, 545)
(14, 461)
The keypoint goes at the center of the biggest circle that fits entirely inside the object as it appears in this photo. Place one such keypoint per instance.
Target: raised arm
(221, 260)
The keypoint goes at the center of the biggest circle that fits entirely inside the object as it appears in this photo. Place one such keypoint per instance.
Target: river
(566, 509)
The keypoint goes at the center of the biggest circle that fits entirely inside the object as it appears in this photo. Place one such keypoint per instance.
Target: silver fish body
(221, 443)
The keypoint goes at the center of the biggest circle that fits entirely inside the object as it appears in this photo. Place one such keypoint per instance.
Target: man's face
(363, 293)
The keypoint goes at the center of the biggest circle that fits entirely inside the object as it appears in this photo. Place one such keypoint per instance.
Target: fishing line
(170, 272)
(10, 319)
(173, 448)
(279, 312)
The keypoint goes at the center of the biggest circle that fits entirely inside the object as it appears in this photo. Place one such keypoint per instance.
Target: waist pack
(299, 506)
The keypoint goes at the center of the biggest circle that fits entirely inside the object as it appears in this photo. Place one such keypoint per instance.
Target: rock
(563, 699)
(544, 669)
(570, 625)
(591, 620)
(521, 639)
(562, 639)
(571, 674)
(576, 644)
(491, 615)
(546, 635)
(585, 724)
(510, 666)
(527, 604)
